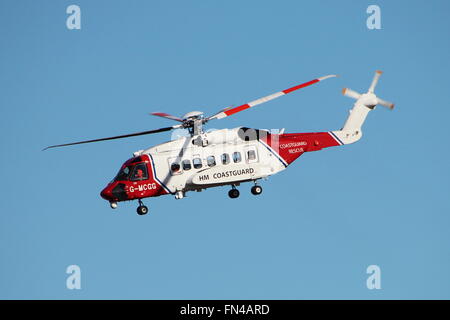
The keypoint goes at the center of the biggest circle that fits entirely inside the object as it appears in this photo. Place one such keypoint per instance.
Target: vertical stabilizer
(366, 102)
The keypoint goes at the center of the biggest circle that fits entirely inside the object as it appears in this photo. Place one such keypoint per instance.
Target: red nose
(107, 193)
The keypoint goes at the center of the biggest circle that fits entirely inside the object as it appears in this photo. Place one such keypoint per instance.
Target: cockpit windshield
(135, 172)
(123, 174)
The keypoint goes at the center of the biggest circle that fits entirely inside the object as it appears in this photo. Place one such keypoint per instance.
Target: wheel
(141, 210)
(256, 190)
(233, 193)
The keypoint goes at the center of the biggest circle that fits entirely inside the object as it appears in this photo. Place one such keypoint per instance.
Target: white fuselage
(225, 159)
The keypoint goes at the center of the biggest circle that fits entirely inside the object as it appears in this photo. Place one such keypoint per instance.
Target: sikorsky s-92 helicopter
(206, 159)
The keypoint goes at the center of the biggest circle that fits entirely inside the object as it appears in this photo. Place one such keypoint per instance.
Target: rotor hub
(192, 115)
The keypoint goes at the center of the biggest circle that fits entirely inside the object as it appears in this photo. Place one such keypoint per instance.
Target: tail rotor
(369, 99)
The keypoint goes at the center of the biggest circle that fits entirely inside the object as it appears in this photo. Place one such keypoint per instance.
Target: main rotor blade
(230, 111)
(116, 137)
(166, 115)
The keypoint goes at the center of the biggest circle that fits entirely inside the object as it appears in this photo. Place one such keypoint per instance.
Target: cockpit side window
(139, 172)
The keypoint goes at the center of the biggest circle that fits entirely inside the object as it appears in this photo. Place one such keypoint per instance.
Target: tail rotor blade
(350, 93)
(385, 103)
(375, 81)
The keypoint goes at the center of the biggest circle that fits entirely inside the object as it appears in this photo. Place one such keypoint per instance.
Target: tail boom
(290, 146)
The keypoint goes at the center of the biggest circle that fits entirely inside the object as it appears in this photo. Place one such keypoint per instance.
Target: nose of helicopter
(107, 193)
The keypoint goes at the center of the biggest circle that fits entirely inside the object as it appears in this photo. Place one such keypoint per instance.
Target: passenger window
(251, 155)
(211, 161)
(225, 158)
(237, 157)
(139, 172)
(186, 164)
(197, 163)
(175, 167)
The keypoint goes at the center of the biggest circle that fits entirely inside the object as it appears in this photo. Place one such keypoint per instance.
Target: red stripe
(161, 114)
(237, 109)
(301, 86)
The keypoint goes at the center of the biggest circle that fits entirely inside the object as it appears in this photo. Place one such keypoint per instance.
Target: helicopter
(225, 157)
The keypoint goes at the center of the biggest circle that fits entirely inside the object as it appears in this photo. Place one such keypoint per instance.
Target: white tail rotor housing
(351, 132)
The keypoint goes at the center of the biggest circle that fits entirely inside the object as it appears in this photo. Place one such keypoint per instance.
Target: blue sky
(316, 227)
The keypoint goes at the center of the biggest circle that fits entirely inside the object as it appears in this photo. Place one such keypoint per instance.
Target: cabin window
(186, 165)
(251, 155)
(237, 157)
(225, 158)
(211, 161)
(139, 172)
(175, 167)
(197, 163)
